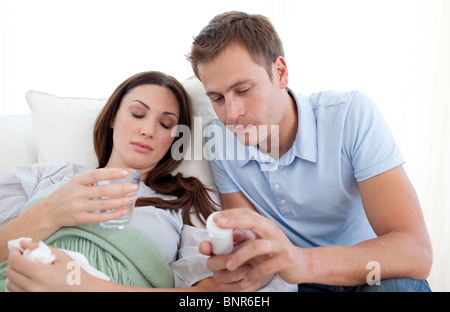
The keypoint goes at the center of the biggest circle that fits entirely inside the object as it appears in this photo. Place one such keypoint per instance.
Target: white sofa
(60, 129)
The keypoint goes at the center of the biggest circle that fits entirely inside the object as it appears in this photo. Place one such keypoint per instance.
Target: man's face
(245, 98)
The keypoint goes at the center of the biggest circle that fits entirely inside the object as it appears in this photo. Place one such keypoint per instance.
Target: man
(332, 207)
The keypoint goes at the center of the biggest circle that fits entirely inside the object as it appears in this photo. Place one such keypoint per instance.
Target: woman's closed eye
(137, 116)
(165, 126)
(168, 122)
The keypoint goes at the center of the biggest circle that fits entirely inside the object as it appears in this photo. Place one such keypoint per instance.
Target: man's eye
(217, 99)
(243, 91)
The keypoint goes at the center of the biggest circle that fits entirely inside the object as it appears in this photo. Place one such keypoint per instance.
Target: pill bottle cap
(214, 230)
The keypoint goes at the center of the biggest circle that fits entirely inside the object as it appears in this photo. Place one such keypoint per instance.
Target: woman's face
(142, 127)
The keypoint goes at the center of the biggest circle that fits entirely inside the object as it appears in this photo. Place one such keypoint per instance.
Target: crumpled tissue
(43, 254)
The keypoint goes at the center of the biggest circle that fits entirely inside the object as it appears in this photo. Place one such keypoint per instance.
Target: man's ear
(280, 72)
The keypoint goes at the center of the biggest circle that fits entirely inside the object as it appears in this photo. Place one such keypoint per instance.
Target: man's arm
(236, 200)
(402, 248)
(393, 209)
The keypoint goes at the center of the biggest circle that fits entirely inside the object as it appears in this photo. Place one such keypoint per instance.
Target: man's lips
(142, 147)
(240, 128)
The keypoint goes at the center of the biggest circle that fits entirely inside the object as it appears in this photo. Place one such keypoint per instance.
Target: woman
(134, 130)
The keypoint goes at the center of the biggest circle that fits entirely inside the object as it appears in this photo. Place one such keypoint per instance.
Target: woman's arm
(71, 204)
(61, 275)
(206, 285)
(32, 223)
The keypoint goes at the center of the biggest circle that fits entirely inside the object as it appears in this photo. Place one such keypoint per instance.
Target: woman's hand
(75, 202)
(26, 275)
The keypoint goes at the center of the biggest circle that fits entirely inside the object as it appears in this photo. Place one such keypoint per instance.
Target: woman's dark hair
(190, 191)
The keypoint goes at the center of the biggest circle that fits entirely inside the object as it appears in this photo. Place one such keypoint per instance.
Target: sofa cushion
(17, 141)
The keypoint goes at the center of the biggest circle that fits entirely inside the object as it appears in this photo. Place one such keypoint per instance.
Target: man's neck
(283, 135)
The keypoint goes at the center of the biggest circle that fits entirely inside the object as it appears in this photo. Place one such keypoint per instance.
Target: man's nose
(234, 110)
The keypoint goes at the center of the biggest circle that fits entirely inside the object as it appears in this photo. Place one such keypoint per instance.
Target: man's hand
(261, 250)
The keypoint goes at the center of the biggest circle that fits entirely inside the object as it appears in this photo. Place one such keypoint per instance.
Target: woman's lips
(142, 147)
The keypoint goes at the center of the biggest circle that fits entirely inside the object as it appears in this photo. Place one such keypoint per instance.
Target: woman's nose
(147, 130)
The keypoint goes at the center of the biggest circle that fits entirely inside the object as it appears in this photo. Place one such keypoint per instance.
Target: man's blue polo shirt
(312, 192)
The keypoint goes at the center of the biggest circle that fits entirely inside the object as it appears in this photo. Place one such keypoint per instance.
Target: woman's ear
(280, 72)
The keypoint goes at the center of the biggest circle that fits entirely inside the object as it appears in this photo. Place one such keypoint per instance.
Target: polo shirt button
(277, 186)
(283, 201)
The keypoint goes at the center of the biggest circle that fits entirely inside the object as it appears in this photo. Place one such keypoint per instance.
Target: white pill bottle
(221, 239)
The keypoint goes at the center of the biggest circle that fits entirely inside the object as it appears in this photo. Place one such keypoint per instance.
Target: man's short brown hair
(253, 32)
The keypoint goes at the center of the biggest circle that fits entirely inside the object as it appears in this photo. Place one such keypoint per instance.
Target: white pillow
(195, 163)
(64, 128)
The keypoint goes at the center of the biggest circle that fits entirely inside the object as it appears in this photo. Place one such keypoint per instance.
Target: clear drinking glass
(133, 178)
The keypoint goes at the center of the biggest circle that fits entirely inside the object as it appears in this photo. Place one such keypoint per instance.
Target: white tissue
(42, 254)
(15, 243)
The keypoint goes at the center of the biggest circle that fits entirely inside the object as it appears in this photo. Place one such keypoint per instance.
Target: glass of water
(134, 177)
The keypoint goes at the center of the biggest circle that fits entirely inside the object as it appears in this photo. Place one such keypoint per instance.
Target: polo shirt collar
(305, 143)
